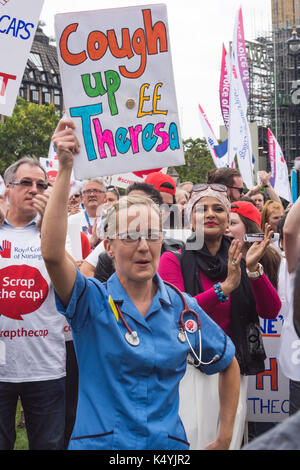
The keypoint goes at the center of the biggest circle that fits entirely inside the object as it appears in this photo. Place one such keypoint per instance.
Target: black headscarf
(245, 328)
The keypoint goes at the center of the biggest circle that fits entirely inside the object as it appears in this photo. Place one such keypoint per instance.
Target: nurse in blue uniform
(128, 337)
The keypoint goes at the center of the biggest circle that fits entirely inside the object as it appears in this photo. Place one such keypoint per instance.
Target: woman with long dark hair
(233, 291)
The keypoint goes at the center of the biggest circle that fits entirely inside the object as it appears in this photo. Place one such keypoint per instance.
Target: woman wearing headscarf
(232, 290)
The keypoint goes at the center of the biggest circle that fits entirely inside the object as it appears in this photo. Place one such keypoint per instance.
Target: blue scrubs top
(128, 396)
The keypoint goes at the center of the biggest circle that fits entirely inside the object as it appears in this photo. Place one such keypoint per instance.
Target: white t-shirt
(83, 221)
(92, 258)
(32, 342)
(289, 353)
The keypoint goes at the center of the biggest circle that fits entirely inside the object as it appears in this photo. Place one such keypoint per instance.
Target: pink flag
(279, 179)
(224, 89)
(242, 55)
(239, 138)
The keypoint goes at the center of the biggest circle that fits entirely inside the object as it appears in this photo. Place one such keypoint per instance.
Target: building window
(46, 95)
(55, 79)
(31, 74)
(34, 94)
(57, 98)
(36, 60)
(22, 92)
(44, 76)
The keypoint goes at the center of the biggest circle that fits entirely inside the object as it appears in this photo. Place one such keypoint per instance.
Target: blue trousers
(44, 410)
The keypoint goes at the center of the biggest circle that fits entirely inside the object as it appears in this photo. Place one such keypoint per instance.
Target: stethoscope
(133, 339)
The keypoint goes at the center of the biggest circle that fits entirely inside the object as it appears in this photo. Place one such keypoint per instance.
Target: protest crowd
(107, 361)
(137, 317)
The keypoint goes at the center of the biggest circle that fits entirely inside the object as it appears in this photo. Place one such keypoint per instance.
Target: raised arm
(60, 267)
(265, 180)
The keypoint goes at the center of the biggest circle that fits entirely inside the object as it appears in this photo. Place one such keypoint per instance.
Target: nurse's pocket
(175, 443)
(92, 442)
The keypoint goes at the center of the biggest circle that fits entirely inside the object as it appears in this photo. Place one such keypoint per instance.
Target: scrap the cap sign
(18, 23)
(119, 89)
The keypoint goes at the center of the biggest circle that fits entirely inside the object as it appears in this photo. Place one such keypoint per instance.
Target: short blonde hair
(109, 222)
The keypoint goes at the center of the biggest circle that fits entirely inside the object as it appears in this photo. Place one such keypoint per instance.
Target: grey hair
(93, 180)
(9, 174)
(109, 222)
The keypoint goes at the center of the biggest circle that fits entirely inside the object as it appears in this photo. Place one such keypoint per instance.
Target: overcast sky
(197, 30)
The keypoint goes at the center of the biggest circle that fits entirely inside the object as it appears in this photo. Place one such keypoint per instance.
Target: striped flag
(279, 179)
(239, 137)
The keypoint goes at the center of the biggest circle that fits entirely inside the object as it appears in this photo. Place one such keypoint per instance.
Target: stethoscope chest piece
(181, 336)
(132, 338)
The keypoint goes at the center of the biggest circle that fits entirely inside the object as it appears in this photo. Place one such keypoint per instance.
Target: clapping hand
(257, 250)
(234, 269)
(264, 177)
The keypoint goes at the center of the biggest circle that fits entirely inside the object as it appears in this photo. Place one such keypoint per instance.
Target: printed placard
(18, 23)
(126, 179)
(268, 392)
(118, 87)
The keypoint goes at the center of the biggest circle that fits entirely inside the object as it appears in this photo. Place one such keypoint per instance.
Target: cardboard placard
(118, 87)
(18, 23)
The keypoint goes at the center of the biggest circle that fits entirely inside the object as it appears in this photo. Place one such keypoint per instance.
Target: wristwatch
(255, 274)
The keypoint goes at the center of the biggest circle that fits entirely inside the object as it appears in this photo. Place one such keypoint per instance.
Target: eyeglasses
(76, 195)
(216, 187)
(241, 190)
(91, 191)
(133, 238)
(29, 183)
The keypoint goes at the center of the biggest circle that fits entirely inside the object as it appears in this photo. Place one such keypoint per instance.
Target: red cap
(248, 210)
(158, 179)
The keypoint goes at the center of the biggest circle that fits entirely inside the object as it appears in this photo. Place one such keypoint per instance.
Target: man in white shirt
(32, 343)
(93, 197)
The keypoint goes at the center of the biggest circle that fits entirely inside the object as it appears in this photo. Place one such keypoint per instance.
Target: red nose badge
(191, 326)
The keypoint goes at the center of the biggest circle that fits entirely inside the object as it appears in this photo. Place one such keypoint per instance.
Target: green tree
(27, 132)
(198, 161)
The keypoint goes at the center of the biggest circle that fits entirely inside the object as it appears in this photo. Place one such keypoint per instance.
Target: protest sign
(18, 23)
(126, 179)
(51, 167)
(268, 392)
(118, 87)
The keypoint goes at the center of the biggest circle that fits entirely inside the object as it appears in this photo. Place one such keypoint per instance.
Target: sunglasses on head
(214, 186)
(112, 188)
